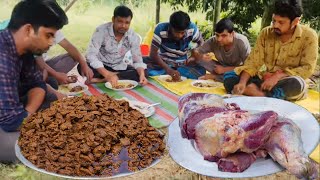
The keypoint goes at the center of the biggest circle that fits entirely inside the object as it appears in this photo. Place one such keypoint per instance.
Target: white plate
(65, 89)
(147, 113)
(122, 82)
(213, 84)
(183, 152)
(164, 78)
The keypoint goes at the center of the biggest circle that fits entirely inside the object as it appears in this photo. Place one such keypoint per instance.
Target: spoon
(148, 106)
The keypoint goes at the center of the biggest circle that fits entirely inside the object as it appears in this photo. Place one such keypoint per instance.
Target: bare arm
(35, 99)
(76, 55)
(155, 56)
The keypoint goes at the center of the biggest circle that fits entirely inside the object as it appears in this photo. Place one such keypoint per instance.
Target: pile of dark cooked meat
(90, 136)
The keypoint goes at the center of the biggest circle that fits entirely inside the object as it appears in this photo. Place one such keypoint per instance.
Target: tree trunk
(217, 10)
(267, 14)
(157, 11)
(69, 5)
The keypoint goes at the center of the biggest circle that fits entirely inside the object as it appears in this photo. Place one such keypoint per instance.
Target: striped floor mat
(151, 93)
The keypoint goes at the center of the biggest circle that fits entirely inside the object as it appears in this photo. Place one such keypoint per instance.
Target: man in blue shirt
(171, 45)
(30, 32)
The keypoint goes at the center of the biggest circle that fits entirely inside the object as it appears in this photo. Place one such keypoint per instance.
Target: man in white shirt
(108, 49)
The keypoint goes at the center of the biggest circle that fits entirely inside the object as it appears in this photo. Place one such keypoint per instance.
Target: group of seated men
(284, 55)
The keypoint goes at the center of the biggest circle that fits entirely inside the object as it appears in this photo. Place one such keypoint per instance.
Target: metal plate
(183, 152)
(147, 112)
(126, 82)
(208, 84)
(30, 165)
(164, 78)
(65, 89)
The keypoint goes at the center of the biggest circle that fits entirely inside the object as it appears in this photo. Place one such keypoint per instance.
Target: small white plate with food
(206, 84)
(73, 89)
(146, 109)
(122, 85)
(168, 79)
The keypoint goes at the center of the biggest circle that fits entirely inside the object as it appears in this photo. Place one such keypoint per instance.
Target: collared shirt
(104, 49)
(235, 56)
(171, 50)
(18, 74)
(298, 56)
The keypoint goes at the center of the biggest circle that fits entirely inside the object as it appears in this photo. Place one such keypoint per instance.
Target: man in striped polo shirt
(171, 44)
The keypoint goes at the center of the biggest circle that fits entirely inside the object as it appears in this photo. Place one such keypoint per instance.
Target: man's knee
(294, 87)
(230, 79)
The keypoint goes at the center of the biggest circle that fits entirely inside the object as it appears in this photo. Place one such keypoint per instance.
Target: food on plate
(90, 136)
(73, 78)
(177, 79)
(123, 86)
(205, 84)
(76, 89)
(234, 138)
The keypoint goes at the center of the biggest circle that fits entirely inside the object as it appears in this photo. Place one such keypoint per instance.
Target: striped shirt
(171, 50)
(18, 74)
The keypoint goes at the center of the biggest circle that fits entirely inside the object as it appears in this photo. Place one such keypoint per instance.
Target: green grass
(82, 25)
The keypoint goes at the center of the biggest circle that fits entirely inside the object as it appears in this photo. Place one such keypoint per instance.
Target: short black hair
(122, 11)
(38, 13)
(288, 8)
(179, 20)
(224, 24)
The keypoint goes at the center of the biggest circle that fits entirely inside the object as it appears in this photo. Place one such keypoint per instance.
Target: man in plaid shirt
(30, 32)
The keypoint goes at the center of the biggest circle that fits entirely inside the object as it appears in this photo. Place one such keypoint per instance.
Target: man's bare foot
(253, 90)
(98, 80)
(207, 77)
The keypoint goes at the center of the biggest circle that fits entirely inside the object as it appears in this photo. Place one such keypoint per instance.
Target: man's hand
(143, 80)
(219, 69)
(63, 78)
(206, 57)
(174, 74)
(191, 61)
(269, 83)
(239, 89)
(113, 79)
(86, 71)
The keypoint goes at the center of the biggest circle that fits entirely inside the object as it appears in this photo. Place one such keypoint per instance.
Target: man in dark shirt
(30, 32)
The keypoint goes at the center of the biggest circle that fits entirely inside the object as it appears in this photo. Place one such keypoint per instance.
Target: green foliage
(311, 13)
(83, 7)
(244, 12)
(134, 3)
(205, 28)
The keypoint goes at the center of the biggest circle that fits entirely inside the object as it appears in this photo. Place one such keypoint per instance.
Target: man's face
(176, 34)
(283, 25)
(121, 24)
(41, 40)
(224, 38)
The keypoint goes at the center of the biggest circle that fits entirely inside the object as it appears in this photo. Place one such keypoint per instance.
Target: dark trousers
(129, 74)
(288, 88)
(188, 71)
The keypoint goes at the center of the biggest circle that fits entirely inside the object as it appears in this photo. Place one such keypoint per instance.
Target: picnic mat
(184, 87)
(153, 92)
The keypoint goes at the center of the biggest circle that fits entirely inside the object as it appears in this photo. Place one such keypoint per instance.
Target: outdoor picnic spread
(165, 118)
(184, 102)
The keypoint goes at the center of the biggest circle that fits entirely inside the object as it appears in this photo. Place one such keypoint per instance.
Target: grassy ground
(79, 31)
